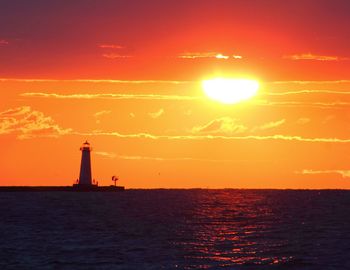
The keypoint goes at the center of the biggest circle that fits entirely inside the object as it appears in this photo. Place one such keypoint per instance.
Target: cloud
(137, 158)
(111, 96)
(221, 125)
(335, 82)
(115, 56)
(227, 125)
(110, 46)
(221, 56)
(15, 111)
(284, 93)
(97, 81)
(310, 56)
(99, 114)
(276, 137)
(269, 125)
(321, 105)
(261, 102)
(157, 114)
(328, 119)
(196, 55)
(121, 96)
(273, 124)
(140, 158)
(342, 173)
(303, 121)
(4, 42)
(207, 55)
(106, 154)
(27, 123)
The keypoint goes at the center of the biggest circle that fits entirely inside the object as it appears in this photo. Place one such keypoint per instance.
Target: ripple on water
(176, 229)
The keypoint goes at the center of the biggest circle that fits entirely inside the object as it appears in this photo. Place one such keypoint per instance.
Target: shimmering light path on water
(176, 229)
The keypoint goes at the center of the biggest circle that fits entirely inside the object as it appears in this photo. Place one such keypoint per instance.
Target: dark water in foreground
(175, 229)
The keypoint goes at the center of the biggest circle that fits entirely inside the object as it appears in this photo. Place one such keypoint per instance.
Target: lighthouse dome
(86, 146)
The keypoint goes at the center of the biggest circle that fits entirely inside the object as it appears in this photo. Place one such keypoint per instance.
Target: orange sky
(127, 77)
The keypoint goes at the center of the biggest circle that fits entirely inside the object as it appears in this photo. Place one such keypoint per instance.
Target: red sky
(126, 75)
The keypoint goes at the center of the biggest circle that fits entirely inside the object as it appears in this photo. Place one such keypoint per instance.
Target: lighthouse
(85, 178)
(85, 182)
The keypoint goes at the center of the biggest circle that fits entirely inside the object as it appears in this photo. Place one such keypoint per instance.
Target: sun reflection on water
(233, 229)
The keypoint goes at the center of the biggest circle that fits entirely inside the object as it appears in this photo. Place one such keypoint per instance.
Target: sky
(127, 76)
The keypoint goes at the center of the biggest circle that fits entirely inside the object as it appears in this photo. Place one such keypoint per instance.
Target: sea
(176, 229)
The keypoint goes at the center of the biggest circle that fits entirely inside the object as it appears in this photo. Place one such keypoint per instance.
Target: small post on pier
(115, 179)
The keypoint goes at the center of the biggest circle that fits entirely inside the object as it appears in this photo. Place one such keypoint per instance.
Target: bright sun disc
(230, 91)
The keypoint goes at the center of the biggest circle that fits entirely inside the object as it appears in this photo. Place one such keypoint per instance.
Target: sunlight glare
(230, 91)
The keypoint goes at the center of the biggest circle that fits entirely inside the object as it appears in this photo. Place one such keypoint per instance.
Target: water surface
(175, 229)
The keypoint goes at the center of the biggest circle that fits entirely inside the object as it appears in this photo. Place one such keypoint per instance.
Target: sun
(230, 91)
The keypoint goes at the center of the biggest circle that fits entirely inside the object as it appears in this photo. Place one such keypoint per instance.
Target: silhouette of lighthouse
(85, 178)
(85, 182)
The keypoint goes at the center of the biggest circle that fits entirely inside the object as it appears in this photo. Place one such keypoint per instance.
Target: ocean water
(175, 229)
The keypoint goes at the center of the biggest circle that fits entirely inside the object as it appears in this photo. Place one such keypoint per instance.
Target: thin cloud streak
(315, 57)
(208, 55)
(110, 96)
(303, 121)
(4, 42)
(157, 81)
(111, 46)
(156, 114)
(112, 155)
(106, 154)
(202, 55)
(296, 104)
(342, 173)
(311, 82)
(227, 125)
(276, 137)
(98, 81)
(98, 114)
(307, 92)
(137, 158)
(335, 104)
(269, 125)
(115, 56)
(221, 125)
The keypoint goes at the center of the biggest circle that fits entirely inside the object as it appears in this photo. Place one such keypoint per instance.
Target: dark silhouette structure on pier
(85, 178)
(84, 183)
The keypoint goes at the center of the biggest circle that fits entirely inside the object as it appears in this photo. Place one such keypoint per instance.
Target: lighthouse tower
(85, 178)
